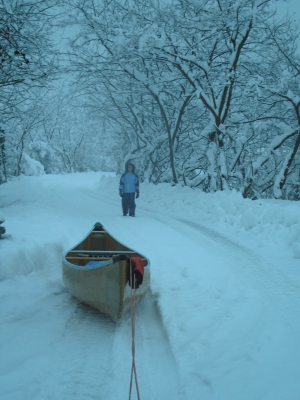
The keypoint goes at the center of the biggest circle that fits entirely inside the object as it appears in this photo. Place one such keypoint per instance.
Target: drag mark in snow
(94, 333)
(157, 371)
(82, 356)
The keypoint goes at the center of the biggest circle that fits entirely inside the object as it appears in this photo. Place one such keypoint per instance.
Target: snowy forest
(202, 93)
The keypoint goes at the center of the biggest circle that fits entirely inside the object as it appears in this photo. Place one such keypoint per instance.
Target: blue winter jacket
(129, 183)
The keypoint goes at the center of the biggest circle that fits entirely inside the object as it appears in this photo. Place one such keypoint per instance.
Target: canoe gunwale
(104, 252)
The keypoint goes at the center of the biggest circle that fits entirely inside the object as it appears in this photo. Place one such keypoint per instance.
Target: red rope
(133, 303)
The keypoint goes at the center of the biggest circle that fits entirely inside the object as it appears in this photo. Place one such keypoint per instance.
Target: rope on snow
(133, 304)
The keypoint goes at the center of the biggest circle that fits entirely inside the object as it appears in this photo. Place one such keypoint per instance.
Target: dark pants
(128, 203)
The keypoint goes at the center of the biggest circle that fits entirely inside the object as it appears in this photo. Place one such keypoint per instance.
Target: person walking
(129, 189)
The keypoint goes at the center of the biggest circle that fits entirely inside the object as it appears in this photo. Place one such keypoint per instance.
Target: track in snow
(98, 350)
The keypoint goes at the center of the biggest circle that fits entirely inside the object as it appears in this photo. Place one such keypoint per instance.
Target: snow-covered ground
(221, 321)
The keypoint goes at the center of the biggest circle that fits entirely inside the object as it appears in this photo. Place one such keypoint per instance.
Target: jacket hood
(129, 163)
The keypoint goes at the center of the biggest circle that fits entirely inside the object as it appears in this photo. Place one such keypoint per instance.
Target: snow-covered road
(221, 321)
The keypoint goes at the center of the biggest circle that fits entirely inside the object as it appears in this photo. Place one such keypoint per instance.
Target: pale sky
(291, 7)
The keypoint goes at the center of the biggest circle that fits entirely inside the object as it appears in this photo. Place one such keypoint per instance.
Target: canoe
(97, 272)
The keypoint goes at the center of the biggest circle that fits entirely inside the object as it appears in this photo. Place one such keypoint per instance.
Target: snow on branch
(280, 177)
(275, 143)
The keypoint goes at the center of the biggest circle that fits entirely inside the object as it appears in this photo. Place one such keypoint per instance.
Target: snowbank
(259, 223)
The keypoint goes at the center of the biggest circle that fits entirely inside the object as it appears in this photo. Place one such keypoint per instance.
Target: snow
(221, 319)
(31, 166)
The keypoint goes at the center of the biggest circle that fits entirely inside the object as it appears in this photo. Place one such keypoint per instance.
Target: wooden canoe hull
(105, 285)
